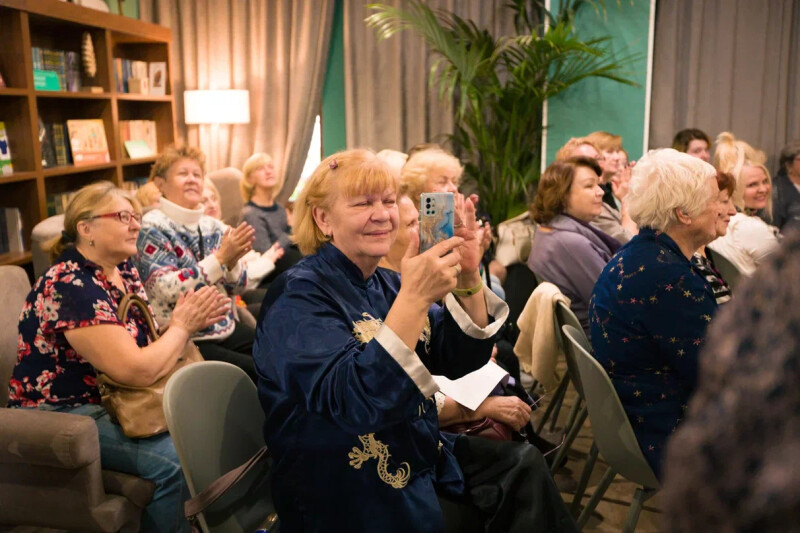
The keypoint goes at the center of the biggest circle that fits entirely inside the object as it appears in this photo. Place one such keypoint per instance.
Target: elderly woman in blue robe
(345, 356)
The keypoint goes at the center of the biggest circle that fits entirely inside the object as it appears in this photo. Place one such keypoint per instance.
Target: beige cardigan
(537, 346)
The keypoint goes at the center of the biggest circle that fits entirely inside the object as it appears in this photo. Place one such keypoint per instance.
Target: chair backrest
(612, 430)
(43, 232)
(729, 272)
(14, 288)
(564, 316)
(519, 285)
(216, 422)
(227, 180)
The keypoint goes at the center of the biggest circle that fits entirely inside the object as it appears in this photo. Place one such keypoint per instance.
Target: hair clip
(334, 165)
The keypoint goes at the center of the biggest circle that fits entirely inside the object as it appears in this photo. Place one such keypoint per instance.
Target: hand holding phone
(436, 218)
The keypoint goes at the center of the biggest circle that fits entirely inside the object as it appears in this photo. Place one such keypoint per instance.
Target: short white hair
(666, 180)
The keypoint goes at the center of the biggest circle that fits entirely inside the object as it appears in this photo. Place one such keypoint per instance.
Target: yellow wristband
(468, 292)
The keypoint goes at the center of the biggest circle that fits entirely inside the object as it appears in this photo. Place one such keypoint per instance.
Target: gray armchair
(50, 473)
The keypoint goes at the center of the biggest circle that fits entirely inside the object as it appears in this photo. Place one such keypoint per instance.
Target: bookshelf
(59, 25)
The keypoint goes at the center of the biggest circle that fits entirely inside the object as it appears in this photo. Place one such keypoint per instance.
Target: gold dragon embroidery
(375, 449)
(365, 330)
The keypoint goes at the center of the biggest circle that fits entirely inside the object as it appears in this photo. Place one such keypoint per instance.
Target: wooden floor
(612, 510)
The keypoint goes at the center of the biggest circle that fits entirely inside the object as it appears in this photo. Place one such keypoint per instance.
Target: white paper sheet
(472, 389)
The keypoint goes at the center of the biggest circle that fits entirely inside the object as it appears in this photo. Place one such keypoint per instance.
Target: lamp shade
(227, 106)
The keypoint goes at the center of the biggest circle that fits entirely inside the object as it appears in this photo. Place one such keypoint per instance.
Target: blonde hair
(394, 159)
(419, 167)
(663, 181)
(733, 156)
(251, 165)
(567, 151)
(604, 141)
(148, 195)
(347, 174)
(171, 155)
(87, 201)
(208, 182)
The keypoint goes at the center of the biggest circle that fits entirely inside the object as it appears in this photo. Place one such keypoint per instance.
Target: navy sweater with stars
(648, 316)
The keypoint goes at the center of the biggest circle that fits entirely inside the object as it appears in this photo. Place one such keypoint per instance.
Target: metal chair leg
(584, 481)
(573, 433)
(641, 496)
(558, 395)
(559, 403)
(601, 489)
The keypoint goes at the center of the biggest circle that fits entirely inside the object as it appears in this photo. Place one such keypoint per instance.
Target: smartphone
(436, 218)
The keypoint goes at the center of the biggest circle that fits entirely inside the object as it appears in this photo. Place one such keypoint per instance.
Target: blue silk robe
(648, 314)
(350, 417)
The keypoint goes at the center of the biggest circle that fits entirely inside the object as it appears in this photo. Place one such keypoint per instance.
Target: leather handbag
(139, 410)
(486, 428)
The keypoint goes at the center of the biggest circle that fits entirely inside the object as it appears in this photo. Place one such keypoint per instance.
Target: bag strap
(134, 300)
(221, 485)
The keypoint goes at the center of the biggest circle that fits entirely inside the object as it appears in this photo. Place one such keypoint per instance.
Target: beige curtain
(278, 50)
(387, 100)
(727, 65)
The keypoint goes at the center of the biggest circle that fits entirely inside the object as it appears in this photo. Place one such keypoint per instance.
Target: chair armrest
(47, 438)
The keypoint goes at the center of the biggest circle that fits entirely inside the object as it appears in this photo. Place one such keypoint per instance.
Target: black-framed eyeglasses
(123, 216)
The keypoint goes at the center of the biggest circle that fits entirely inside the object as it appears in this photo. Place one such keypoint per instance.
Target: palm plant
(499, 85)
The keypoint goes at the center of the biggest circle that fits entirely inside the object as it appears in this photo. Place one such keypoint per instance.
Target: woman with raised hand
(345, 354)
(69, 330)
(181, 248)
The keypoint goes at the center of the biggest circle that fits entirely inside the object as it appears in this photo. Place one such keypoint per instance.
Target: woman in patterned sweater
(181, 248)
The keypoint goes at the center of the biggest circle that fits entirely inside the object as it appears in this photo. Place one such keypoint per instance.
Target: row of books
(10, 230)
(57, 203)
(74, 142)
(140, 77)
(64, 64)
(6, 168)
(139, 137)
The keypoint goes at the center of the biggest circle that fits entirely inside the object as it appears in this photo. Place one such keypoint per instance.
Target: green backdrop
(598, 104)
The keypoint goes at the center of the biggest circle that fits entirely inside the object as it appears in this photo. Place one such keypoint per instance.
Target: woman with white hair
(749, 240)
(650, 307)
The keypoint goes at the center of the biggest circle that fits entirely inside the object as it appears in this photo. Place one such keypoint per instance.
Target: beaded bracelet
(468, 292)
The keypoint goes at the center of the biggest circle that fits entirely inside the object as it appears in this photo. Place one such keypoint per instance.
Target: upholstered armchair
(50, 473)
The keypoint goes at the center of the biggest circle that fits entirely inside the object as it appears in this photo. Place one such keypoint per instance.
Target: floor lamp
(215, 107)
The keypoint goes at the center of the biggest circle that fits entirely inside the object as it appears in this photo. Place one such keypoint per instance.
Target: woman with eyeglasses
(69, 329)
(181, 248)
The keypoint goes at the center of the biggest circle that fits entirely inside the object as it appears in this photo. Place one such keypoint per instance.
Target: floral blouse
(73, 293)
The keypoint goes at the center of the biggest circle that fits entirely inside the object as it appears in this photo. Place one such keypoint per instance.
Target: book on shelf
(158, 78)
(11, 230)
(73, 71)
(6, 167)
(57, 203)
(59, 131)
(49, 158)
(87, 140)
(133, 184)
(139, 136)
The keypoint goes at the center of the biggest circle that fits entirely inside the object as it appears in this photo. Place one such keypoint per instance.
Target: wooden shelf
(15, 258)
(128, 97)
(139, 161)
(10, 91)
(58, 25)
(80, 95)
(72, 169)
(18, 176)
